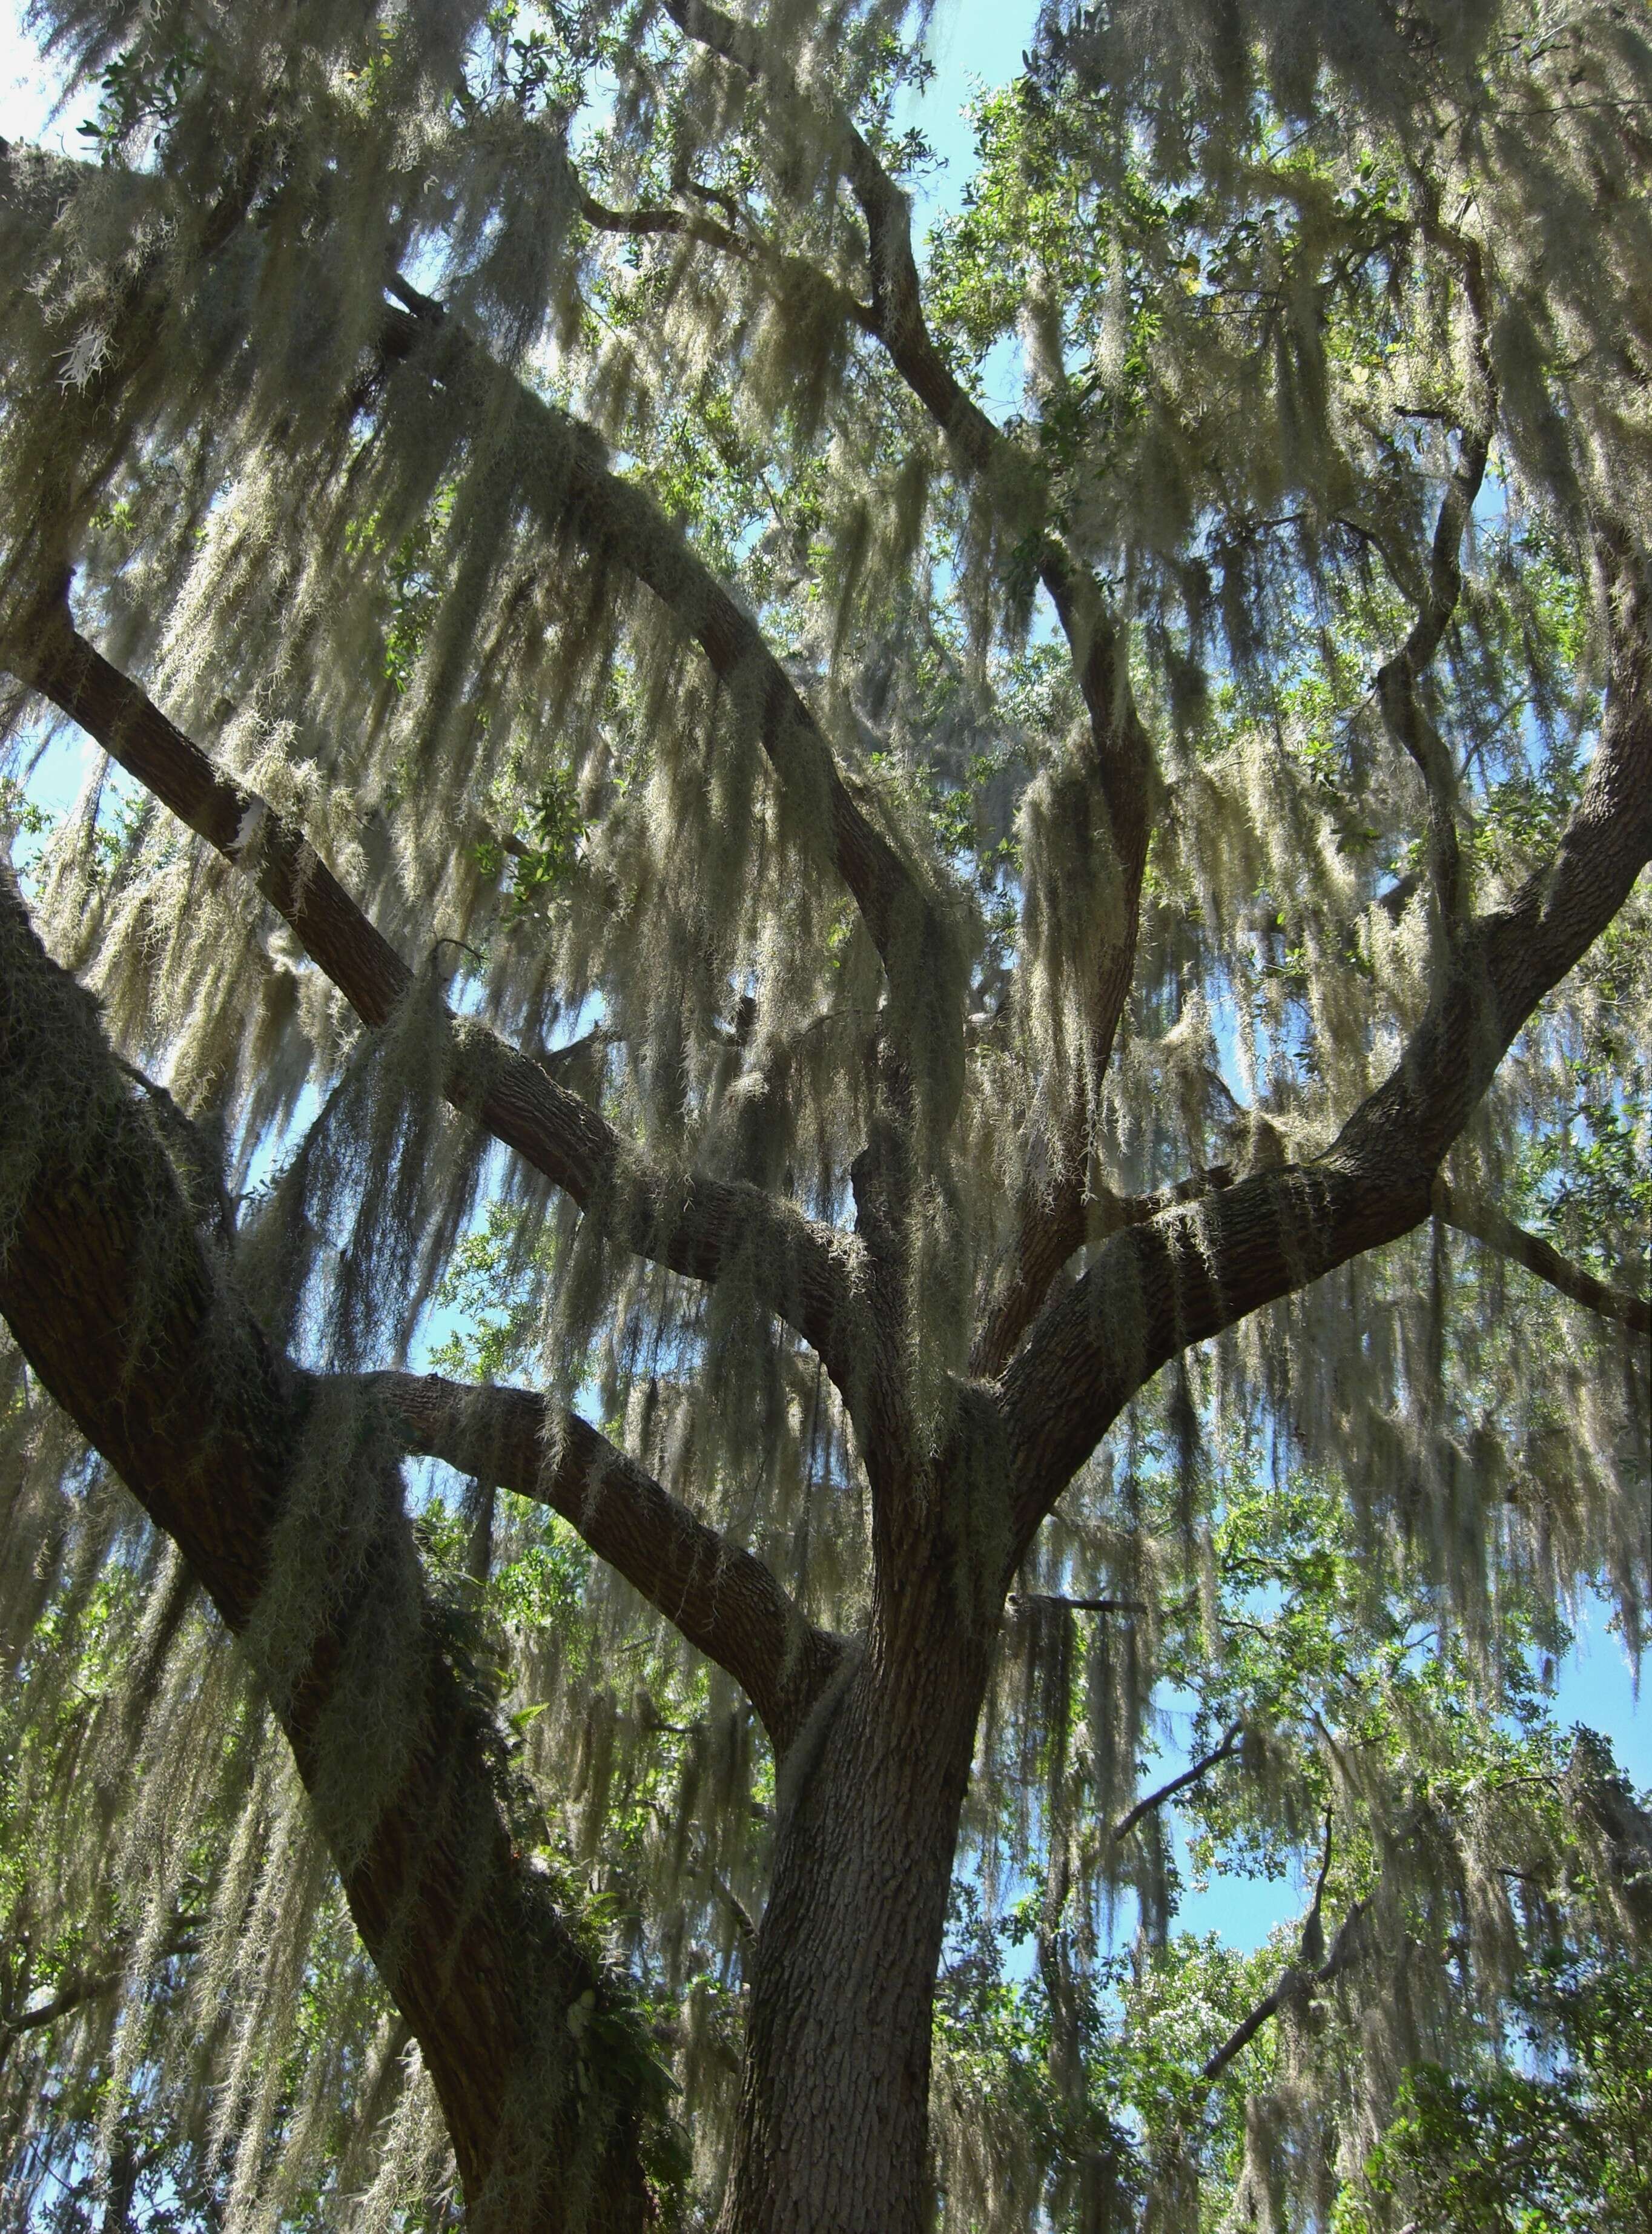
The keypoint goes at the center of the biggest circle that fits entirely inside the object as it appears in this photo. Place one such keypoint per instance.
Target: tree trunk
(834, 2127)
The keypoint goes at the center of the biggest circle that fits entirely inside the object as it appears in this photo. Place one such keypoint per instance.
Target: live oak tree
(1001, 1057)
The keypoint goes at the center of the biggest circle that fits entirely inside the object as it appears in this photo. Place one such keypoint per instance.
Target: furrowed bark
(694, 1225)
(1482, 1221)
(1154, 1290)
(117, 1305)
(834, 2122)
(726, 1602)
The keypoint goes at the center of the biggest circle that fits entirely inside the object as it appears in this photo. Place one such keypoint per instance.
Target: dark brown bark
(118, 1307)
(833, 2124)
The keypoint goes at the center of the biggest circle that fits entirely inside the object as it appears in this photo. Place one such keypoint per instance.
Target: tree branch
(290, 1516)
(1050, 1217)
(726, 1602)
(1078, 1605)
(1190, 1271)
(682, 224)
(1344, 1949)
(1488, 1225)
(1231, 1743)
(666, 223)
(74, 1994)
(614, 517)
(897, 316)
(1057, 1223)
(83, 1986)
(694, 1225)
(1397, 679)
(1117, 787)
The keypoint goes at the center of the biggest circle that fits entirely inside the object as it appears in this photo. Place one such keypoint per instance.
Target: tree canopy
(752, 1101)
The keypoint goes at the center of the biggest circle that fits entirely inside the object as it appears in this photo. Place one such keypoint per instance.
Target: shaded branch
(83, 1986)
(896, 316)
(694, 1225)
(1078, 1605)
(73, 1996)
(640, 224)
(1489, 1225)
(1344, 1949)
(1050, 1216)
(666, 223)
(725, 1601)
(1065, 1218)
(1397, 679)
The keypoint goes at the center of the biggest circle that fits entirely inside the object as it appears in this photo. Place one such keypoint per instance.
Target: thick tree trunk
(833, 2130)
(113, 1301)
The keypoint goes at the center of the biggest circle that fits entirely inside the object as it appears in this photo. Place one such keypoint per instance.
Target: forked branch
(1398, 679)
(1308, 1971)
(1192, 1272)
(616, 519)
(1051, 1215)
(897, 314)
(113, 1300)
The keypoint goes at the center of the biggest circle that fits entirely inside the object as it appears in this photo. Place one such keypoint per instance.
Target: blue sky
(974, 45)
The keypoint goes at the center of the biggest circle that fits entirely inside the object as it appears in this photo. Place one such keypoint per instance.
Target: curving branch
(1154, 1290)
(76, 1988)
(695, 1226)
(1488, 1225)
(1397, 679)
(674, 224)
(1232, 1742)
(1107, 1214)
(1345, 1948)
(896, 317)
(73, 1995)
(665, 222)
(725, 1601)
